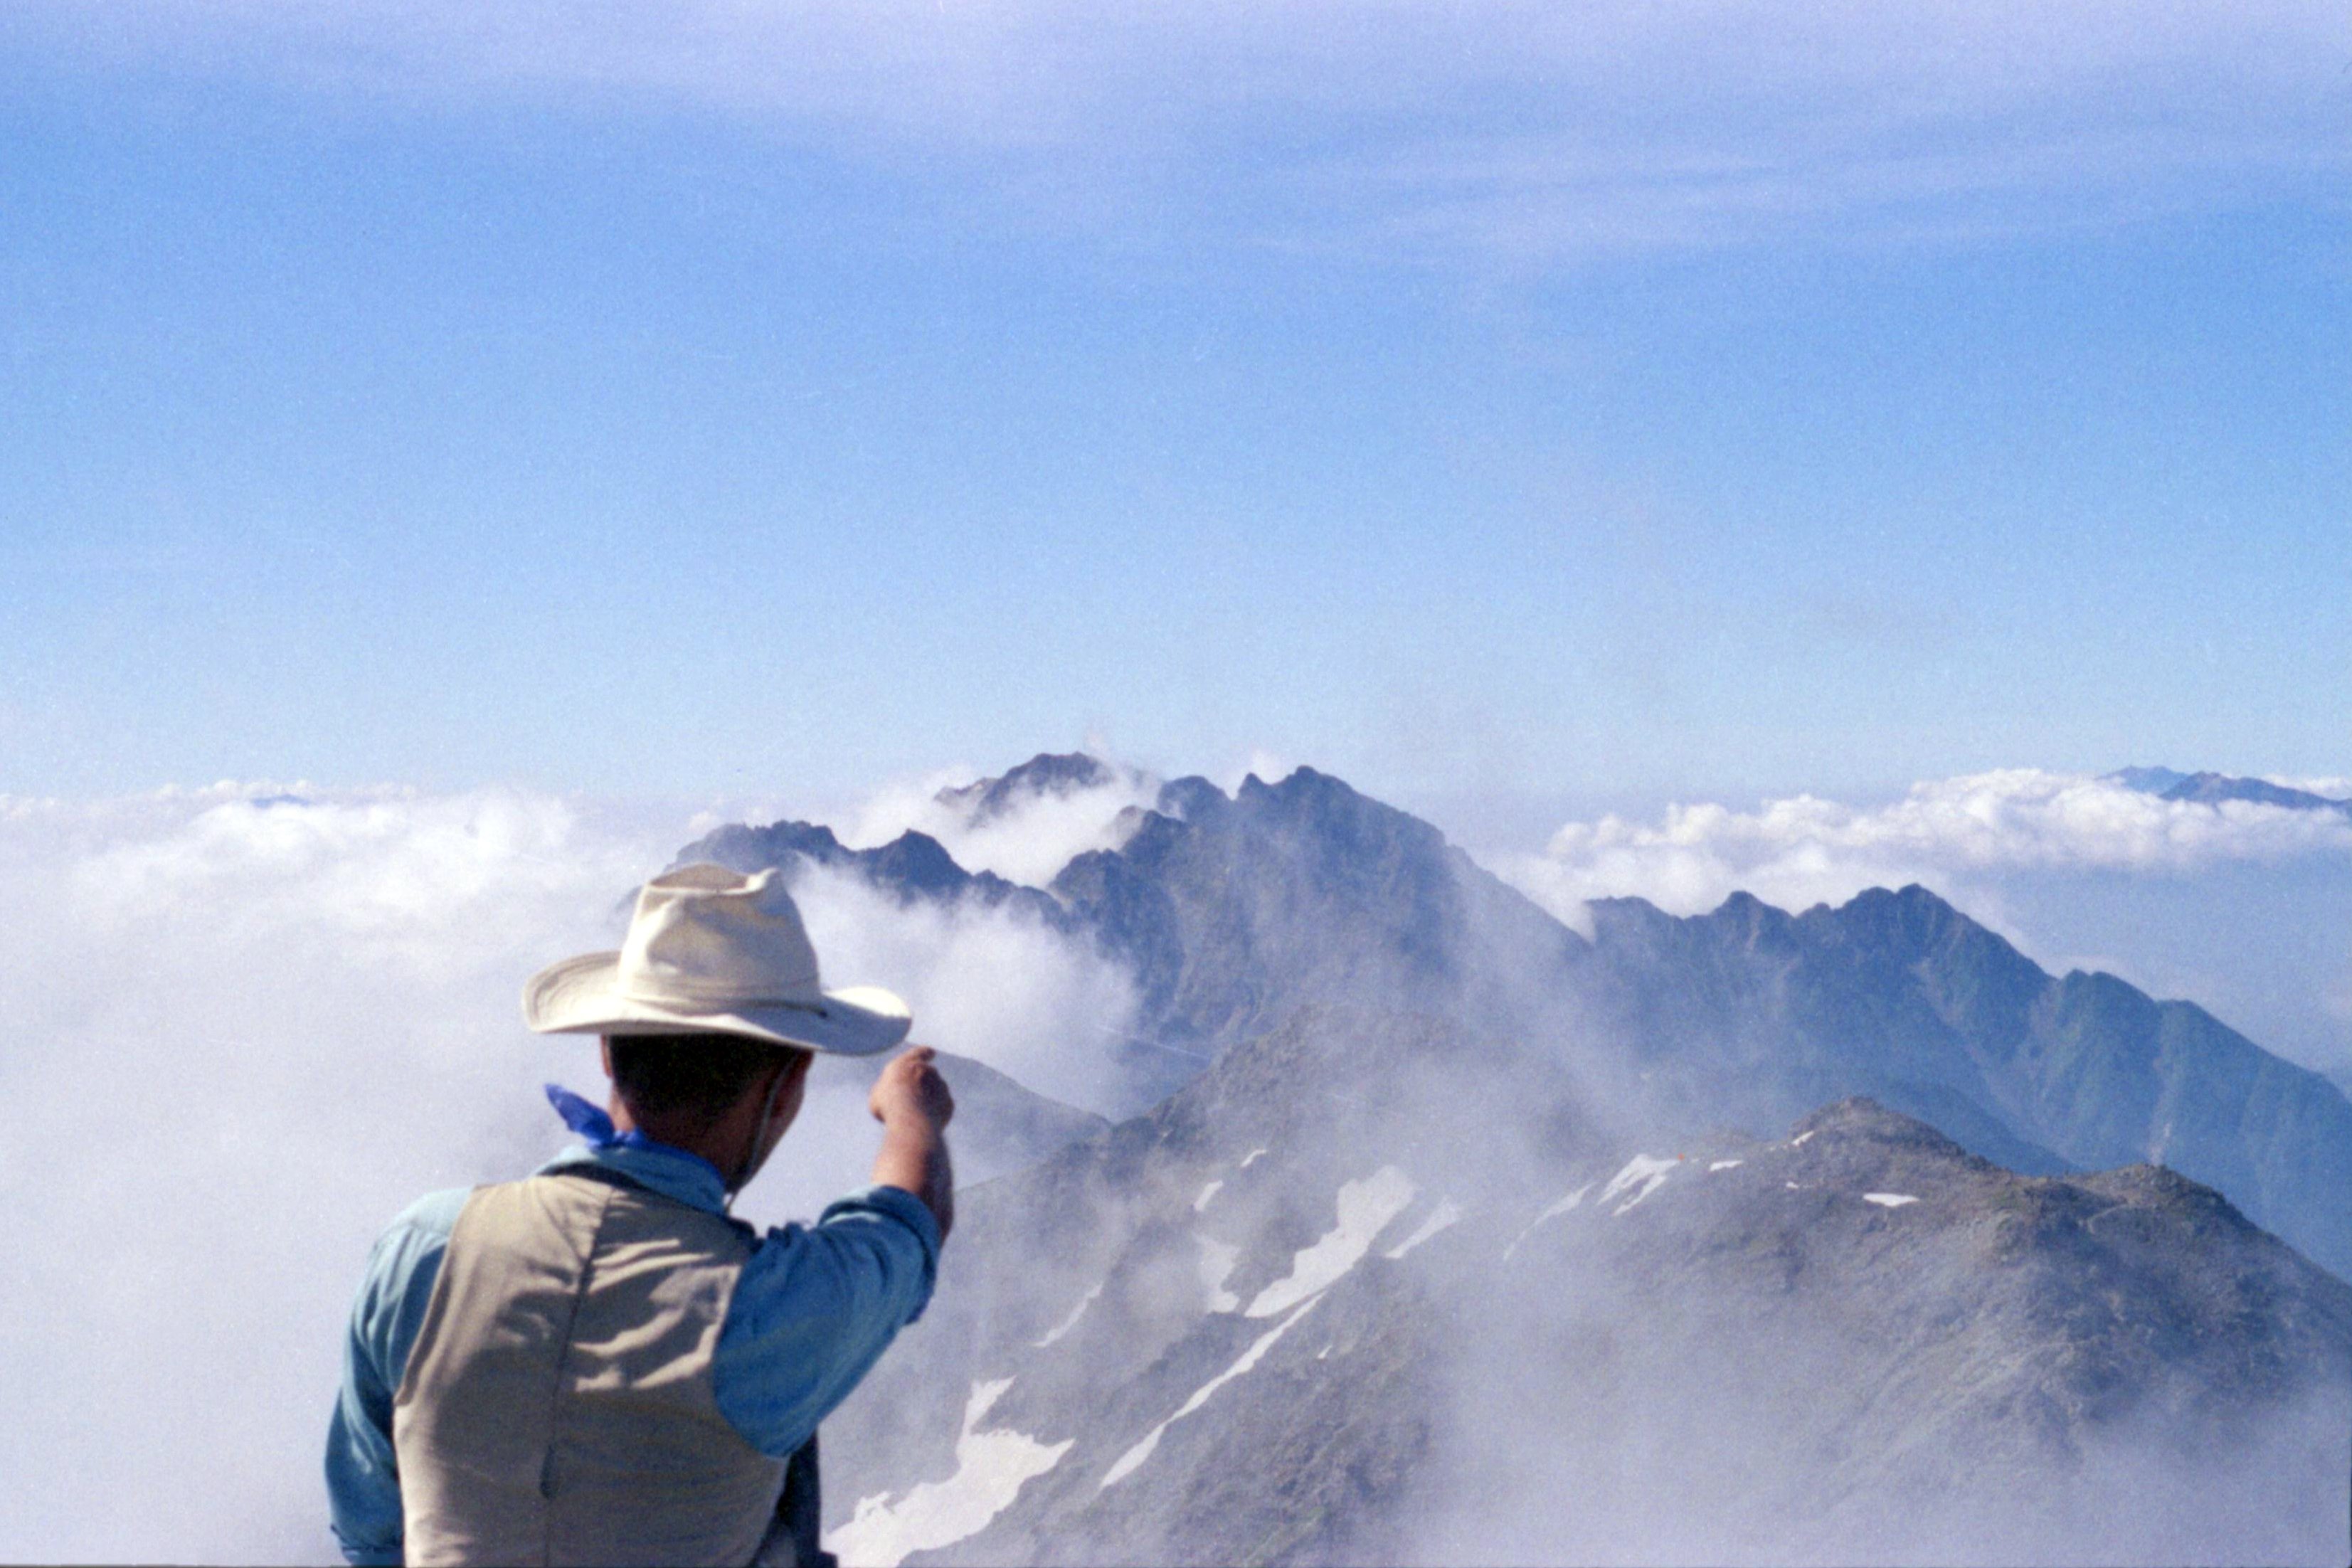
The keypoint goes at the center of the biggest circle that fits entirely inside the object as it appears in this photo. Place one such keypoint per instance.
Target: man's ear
(604, 1053)
(791, 1084)
(799, 1069)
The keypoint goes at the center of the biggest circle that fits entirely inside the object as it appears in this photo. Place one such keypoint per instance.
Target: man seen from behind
(597, 1364)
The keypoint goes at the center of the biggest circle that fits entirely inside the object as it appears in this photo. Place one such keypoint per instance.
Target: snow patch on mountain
(1645, 1172)
(1207, 1195)
(1126, 1463)
(1723, 1165)
(1889, 1200)
(991, 1470)
(1559, 1207)
(1217, 1260)
(1447, 1213)
(1067, 1324)
(1366, 1207)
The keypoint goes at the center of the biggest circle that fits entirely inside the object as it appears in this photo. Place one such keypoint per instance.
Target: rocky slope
(1754, 1014)
(1371, 1288)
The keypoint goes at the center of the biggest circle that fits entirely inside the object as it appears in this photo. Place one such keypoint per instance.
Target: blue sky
(1613, 402)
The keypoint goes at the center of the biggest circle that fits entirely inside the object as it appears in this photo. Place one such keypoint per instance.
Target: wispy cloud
(261, 1020)
(1500, 132)
(994, 984)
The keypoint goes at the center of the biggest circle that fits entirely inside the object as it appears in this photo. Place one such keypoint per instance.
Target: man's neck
(708, 1140)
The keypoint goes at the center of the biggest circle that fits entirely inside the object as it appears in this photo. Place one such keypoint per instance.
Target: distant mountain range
(2212, 789)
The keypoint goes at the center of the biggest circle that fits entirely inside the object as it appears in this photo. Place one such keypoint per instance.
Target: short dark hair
(689, 1075)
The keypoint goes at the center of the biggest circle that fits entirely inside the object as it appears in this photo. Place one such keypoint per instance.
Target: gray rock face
(1234, 911)
(1361, 1292)
(1752, 1014)
(913, 865)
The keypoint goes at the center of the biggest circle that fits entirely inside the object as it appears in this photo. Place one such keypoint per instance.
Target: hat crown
(706, 935)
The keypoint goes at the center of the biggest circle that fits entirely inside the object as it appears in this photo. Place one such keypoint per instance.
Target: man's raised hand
(911, 1086)
(911, 1101)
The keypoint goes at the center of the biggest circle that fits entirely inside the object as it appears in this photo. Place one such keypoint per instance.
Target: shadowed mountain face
(1363, 1291)
(1232, 913)
(1898, 996)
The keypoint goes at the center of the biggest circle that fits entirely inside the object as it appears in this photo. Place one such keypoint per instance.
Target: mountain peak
(1912, 919)
(1047, 773)
(1861, 1117)
(1229, 913)
(2214, 788)
(2146, 781)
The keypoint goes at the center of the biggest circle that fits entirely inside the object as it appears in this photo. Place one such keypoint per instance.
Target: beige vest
(557, 1405)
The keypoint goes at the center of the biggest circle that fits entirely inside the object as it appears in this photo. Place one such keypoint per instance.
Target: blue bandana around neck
(590, 1121)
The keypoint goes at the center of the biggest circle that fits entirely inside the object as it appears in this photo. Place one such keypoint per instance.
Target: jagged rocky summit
(1234, 911)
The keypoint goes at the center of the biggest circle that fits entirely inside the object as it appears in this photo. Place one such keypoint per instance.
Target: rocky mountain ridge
(2212, 789)
(1231, 911)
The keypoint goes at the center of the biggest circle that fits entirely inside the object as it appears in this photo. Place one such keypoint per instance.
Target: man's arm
(912, 1102)
(362, 1476)
(815, 1307)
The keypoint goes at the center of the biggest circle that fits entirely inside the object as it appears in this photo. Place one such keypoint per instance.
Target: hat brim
(583, 996)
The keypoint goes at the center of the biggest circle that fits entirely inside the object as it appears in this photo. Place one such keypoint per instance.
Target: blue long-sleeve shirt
(814, 1307)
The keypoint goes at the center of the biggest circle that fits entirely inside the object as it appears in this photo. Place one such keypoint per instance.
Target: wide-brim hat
(710, 950)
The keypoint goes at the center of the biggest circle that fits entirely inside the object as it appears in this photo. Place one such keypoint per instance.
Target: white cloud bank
(247, 1025)
(1949, 834)
(243, 1033)
(997, 985)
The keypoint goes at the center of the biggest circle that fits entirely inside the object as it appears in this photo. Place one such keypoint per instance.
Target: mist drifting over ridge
(309, 996)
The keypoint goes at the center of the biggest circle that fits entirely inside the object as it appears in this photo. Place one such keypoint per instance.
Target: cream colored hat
(709, 948)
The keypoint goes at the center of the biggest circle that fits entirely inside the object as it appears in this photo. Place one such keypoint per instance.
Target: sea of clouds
(249, 1024)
